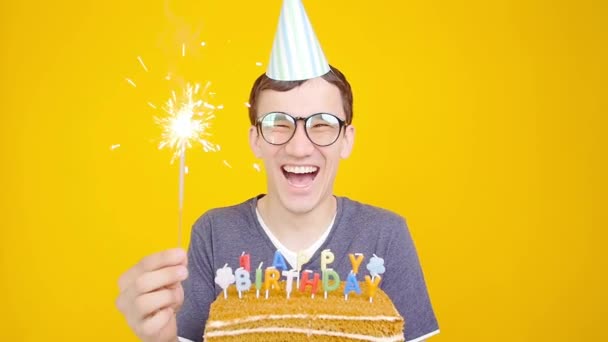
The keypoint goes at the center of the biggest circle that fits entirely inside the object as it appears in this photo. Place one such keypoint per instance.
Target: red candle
(245, 262)
(306, 281)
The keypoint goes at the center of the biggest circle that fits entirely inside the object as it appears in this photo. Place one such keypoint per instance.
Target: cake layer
(302, 317)
(272, 334)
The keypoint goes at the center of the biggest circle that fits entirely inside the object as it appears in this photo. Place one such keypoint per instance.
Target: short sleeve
(405, 285)
(199, 288)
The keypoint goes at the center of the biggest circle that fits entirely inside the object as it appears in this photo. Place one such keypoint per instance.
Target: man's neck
(294, 230)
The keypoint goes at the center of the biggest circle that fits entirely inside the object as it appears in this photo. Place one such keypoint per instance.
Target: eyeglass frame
(341, 123)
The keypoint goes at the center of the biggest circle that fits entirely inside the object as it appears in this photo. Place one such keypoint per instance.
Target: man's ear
(349, 141)
(254, 141)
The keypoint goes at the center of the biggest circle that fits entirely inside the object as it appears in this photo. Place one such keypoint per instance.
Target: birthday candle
(372, 285)
(224, 278)
(376, 266)
(331, 281)
(302, 258)
(355, 261)
(243, 282)
(258, 280)
(327, 257)
(279, 261)
(313, 283)
(271, 279)
(351, 285)
(245, 262)
(289, 275)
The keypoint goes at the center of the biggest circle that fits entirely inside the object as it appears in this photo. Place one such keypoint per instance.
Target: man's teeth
(300, 169)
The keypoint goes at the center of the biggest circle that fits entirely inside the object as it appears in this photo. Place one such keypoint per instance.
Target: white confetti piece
(227, 164)
(256, 167)
(131, 82)
(115, 146)
(142, 63)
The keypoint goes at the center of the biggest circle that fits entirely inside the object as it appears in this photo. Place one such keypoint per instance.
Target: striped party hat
(296, 52)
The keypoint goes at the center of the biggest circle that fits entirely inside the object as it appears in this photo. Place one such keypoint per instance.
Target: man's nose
(300, 145)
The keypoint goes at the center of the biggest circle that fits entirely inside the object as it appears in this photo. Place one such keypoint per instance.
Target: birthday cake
(303, 317)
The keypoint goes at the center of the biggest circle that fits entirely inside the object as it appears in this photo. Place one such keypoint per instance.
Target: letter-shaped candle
(355, 261)
(258, 280)
(244, 261)
(351, 285)
(302, 258)
(327, 257)
(313, 283)
(271, 279)
(372, 285)
(331, 281)
(289, 283)
(279, 261)
(243, 281)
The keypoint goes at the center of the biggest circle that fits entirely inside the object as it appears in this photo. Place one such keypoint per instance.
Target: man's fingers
(152, 325)
(148, 303)
(159, 279)
(171, 257)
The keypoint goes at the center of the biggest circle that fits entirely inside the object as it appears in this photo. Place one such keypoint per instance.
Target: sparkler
(186, 123)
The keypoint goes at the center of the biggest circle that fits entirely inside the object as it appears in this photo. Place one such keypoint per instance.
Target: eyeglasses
(322, 129)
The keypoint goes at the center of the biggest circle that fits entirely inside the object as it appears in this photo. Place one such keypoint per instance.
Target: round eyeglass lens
(323, 129)
(277, 128)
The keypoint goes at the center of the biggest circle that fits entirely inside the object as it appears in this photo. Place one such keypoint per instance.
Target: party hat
(296, 52)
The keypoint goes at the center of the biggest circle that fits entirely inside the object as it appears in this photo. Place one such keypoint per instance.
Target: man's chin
(299, 204)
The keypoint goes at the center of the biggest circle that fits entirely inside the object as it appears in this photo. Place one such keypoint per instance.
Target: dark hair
(334, 76)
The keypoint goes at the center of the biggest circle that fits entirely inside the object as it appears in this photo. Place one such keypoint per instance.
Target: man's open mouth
(300, 175)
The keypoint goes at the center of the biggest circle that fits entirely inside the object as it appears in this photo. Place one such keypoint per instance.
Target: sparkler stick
(180, 208)
(187, 122)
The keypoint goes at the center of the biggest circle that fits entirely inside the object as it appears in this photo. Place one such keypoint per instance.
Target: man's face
(300, 174)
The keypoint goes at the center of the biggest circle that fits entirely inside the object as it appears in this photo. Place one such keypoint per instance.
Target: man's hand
(151, 293)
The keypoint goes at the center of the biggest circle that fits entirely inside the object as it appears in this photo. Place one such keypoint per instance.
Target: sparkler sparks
(187, 121)
(142, 63)
(131, 82)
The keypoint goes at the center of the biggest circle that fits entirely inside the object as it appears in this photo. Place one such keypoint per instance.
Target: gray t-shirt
(221, 235)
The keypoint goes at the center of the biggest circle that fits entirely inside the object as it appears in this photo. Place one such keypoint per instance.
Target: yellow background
(482, 122)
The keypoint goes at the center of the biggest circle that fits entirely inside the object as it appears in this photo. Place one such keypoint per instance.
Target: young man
(301, 129)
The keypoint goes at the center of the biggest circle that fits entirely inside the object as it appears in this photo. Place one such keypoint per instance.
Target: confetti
(131, 82)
